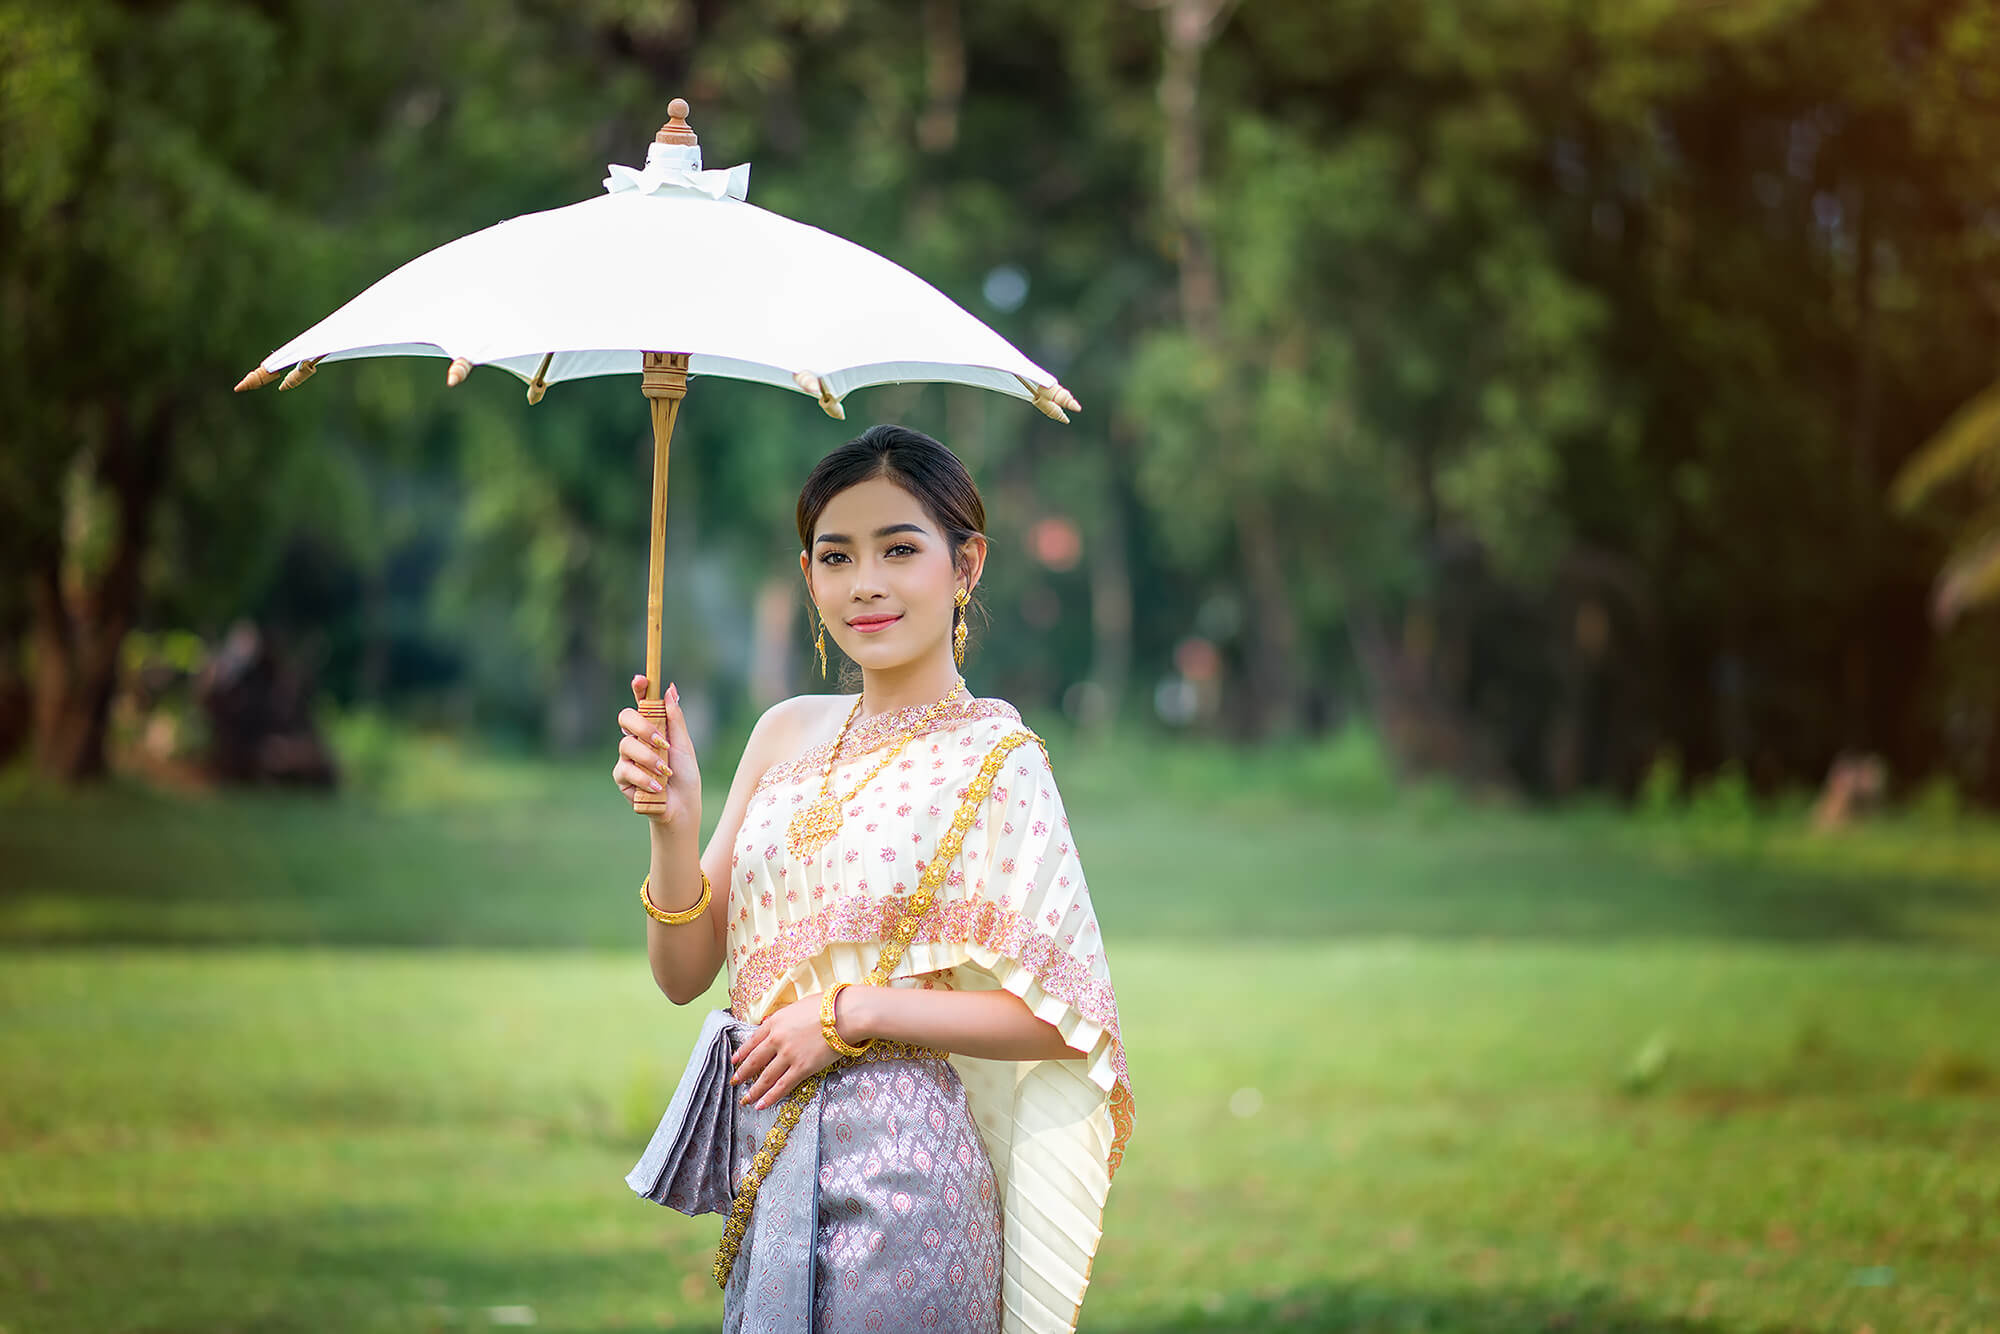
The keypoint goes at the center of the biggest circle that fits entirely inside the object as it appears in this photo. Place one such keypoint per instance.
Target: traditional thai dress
(946, 1193)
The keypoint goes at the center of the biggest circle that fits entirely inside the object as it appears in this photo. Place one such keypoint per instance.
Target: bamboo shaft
(665, 411)
(664, 384)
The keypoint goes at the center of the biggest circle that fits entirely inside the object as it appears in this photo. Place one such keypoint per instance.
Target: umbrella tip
(822, 391)
(454, 374)
(1051, 399)
(676, 130)
(256, 379)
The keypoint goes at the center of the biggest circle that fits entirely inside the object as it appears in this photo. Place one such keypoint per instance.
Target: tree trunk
(76, 640)
(1858, 667)
(944, 76)
(1422, 732)
(1110, 616)
(1273, 640)
(1188, 26)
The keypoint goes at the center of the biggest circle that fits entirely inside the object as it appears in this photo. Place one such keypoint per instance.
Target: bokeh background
(1517, 622)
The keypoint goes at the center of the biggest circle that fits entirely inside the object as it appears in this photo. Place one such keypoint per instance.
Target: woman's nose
(867, 582)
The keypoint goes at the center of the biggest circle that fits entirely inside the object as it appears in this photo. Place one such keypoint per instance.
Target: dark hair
(912, 460)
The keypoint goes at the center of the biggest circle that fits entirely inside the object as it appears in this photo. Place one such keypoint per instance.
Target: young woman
(934, 1094)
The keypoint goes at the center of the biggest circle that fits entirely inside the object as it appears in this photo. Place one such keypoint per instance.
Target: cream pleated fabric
(1014, 913)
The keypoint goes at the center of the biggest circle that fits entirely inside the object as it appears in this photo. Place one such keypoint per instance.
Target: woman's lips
(870, 626)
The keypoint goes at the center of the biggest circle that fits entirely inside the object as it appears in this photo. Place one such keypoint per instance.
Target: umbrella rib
(540, 385)
(299, 374)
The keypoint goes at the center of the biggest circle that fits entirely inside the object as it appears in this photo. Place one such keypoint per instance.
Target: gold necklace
(816, 822)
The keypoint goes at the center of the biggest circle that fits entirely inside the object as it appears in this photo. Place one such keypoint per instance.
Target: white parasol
(669, 273)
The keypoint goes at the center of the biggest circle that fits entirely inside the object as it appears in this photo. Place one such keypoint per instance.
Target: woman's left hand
(786, 1049)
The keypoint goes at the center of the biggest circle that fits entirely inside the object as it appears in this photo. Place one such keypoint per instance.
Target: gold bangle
(827, 1029)
(675, 918)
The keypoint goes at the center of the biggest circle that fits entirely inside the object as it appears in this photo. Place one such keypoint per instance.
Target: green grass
(1511, 1073)
(451, 848)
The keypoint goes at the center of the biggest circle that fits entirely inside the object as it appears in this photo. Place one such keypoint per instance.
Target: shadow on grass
(319, 1271)
(1367, 1309)
(295, 1276)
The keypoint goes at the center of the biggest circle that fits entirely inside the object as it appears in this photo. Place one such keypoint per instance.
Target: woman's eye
(829, 557)
(902, 546)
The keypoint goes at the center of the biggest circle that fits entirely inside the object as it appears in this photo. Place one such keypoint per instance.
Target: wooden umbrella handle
(664, 382)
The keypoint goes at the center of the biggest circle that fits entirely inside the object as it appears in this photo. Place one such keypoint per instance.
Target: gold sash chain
(738, 1224)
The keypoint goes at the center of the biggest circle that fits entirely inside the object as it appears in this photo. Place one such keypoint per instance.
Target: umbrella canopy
(670, 274)
(672, 258)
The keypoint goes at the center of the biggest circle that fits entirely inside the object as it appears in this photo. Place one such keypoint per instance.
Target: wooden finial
(676, 130)
(539, 386)
(819, 389)
(256, 379)
(298, 375)
(455, 374)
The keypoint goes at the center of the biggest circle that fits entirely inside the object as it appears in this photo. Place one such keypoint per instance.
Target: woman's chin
(873, 656)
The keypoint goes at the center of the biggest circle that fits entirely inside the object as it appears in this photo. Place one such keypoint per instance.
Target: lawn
(380, 1064)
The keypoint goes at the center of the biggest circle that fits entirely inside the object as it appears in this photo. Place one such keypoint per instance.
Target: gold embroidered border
(871, 734)
(738, 1224)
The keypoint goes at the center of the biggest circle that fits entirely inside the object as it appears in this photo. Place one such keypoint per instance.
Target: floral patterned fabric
(1015, 912)
(909, 1213)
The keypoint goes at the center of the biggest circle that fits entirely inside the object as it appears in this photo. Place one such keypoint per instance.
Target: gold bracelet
(826, 1025)
(675, 918)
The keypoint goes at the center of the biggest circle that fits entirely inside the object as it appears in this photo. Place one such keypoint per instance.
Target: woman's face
(881, 571)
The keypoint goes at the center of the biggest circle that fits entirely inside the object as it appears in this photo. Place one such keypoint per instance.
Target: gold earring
(819, 647)
(958, 633)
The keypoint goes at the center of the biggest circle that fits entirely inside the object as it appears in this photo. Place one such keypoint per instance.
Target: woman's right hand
(655, 763)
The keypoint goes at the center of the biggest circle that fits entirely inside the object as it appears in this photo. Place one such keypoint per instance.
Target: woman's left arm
(789, 1046)
(994, 1025)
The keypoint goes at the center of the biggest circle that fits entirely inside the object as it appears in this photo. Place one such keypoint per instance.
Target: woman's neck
(925, 681)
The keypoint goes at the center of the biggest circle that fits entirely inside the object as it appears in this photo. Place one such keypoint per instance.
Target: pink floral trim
(966, 922)
(871, 734)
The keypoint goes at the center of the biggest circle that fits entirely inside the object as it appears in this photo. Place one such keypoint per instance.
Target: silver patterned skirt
(881, 1213)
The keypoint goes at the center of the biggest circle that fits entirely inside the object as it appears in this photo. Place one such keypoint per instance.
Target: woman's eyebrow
(879, 532)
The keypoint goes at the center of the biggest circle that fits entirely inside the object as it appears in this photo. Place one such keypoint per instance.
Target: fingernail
(674, 692)
(655, 786)
(659, 741)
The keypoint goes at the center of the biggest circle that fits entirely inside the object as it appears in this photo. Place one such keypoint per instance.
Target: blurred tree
(1530, 373)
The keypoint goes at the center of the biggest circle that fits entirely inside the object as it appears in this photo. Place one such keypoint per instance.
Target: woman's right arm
(686, 958)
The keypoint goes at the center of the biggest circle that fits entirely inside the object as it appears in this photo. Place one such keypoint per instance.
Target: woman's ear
(972, 560)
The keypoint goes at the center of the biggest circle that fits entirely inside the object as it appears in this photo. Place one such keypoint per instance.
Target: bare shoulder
(803, 715)
(793, 725)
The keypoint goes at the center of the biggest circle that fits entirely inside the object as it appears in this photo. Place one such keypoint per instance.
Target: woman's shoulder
(998, 716)
(789, 728)
(997, 725)
(804, 715)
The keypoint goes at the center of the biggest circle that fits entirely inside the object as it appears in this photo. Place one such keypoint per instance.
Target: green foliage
(1519, 306)
(1660, 793)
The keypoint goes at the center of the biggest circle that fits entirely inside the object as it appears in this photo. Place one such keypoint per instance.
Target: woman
(934, 1094)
